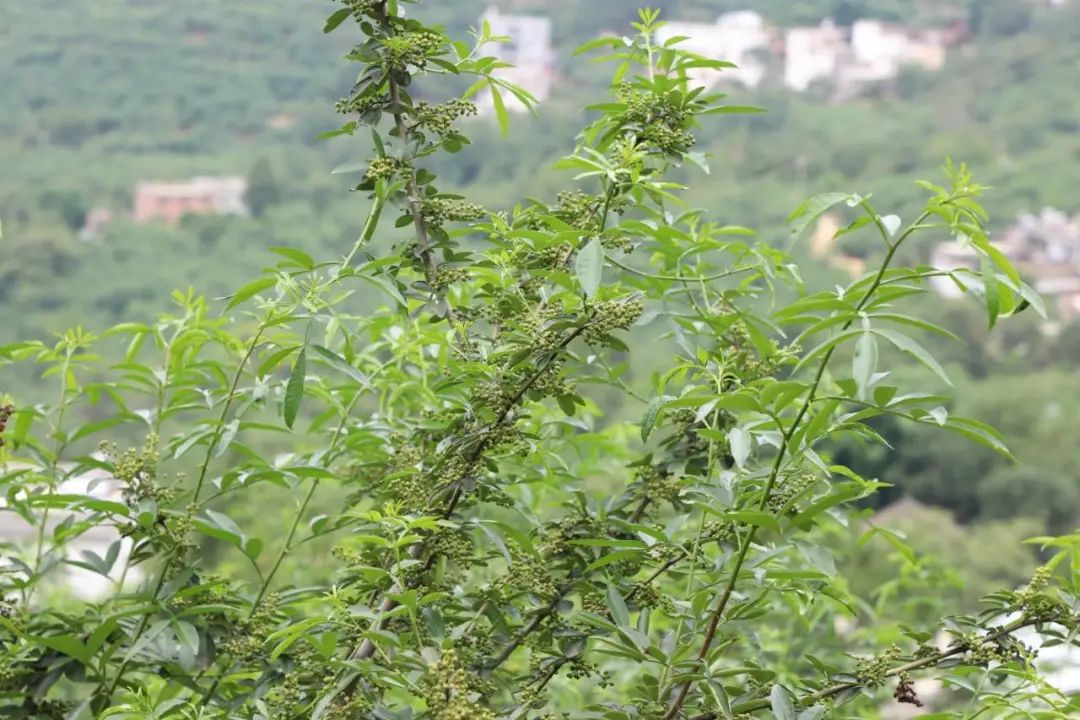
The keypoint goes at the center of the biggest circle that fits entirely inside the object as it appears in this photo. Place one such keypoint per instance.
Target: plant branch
(774, 473)
(917, 664)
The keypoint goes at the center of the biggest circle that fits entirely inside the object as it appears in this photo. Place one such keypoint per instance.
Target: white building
(813, 54)
(737, 37)
(528, 50)
(879, 50)
(871, 51)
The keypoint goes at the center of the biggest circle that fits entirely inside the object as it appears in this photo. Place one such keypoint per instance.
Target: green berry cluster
(454, 469)
(720, 531)
(998, 650)
(578, 669)
(439, 118)
(361, 8)
(411, 488)
(615, 241)
(791, 488)
(12, 675)
(658, 121)
(550, 257)
(361, 103)
(658, 484)
(454, 693)
(612, 315)
(249, 635)
(529, 574)
(385, 167)
(1033, 598)
(437, 211)
(594, 602)
(137, 469)
(349, 708)
(454, 544)
(284, 696)
(579, 209)
(647, 595)
(474, 646)
(536, 325)
(410, 48)
(873, 671)
(448, 276)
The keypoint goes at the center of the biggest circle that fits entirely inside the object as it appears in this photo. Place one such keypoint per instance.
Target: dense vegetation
(501, 547)
(137, 89)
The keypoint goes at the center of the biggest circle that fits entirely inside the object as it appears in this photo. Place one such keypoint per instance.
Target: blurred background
(147, 145)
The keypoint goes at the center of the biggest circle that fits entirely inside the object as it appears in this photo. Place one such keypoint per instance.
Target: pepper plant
(500, 548)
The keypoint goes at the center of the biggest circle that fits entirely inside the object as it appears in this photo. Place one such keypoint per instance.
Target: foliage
(503, 550)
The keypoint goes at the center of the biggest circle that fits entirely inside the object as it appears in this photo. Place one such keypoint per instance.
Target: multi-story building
(170, 201)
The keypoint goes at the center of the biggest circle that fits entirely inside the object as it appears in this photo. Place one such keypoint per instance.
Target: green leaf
(250, 290)
(906, 344)
(500, 109)
(340, 363)
(649, 421)
(991, 292)
(336, 19)
(780, 702)
(589, 266)
(619, 613)
(66, 645)
(755, 517)
(864, 363)
(812, 209)
(349, 168)
(294, 391)
(386, 286)
(739, 440)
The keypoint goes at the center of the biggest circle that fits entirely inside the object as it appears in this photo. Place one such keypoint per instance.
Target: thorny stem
(785, 444)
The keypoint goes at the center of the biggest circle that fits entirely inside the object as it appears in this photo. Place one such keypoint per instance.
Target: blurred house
(1045, 248)
(737, 37)
(101, 540)
(528, 50)
(870, 51)
(813, 54)
(170, 201)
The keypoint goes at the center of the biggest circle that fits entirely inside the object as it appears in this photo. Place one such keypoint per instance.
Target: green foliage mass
(466, 533)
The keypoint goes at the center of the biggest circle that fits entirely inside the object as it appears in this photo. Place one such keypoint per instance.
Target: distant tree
(263, 188)
(68, 204)
(998, 17)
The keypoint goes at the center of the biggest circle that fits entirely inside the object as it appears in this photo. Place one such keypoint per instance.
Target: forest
(895, 519)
